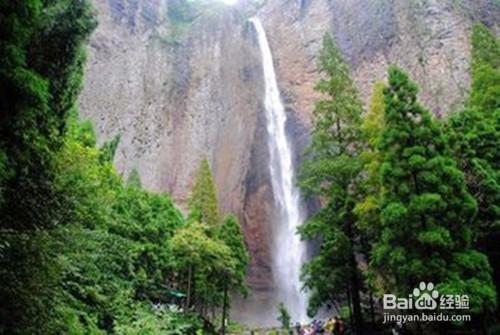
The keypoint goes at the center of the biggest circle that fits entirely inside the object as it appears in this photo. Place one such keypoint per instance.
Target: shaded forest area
(81, 250)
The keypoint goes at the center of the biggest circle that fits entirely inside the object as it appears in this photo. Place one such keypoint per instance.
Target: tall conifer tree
(330, 172)
(203, 206)
(474, 136)
(426, 211)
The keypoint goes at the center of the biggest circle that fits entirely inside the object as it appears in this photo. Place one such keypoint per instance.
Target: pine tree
(426, 211)
(367, 209)
(485, 92)
(203, 206)
(474, 136)
(330, 171)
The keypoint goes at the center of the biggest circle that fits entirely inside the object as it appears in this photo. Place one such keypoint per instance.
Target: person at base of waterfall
(318, 327)
(330, 326)
(340, 328)
(300, 329)
(296, 328)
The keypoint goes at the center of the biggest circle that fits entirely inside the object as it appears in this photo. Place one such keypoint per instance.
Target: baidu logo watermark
(428, 302)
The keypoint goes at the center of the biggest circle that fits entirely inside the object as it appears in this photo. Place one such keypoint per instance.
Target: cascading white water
(289, 251)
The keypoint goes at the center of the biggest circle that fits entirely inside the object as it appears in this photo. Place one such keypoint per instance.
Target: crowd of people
(332, 326)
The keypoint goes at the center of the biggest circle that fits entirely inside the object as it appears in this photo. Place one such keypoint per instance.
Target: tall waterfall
(288, 250)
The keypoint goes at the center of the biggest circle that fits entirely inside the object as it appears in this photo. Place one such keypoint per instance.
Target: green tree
(80, 251)
(203, 206)
(368, 207)
(40, 74)
(485, 47)
(331, 172)
(230, 233)
(485, 69)
(37, 94)
(114, 255)
(426, 211)
(148, 221)
(474, 137)
(199, 260)
(284, 317)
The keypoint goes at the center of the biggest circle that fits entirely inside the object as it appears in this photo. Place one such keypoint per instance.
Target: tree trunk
(224, 311)
(372, 310)
(349, 303)
(356, 304)
(355, 285)
(188, 294)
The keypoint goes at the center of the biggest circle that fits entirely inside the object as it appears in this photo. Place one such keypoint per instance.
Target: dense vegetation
(406, 197)
(81, 250)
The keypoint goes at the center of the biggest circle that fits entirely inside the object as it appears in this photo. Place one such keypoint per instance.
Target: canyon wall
(182, 82)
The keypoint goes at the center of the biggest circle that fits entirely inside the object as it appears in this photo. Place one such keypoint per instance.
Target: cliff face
(181, 83)
(429, 38)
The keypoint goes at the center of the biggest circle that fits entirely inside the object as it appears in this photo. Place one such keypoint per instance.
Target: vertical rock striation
(429, 38)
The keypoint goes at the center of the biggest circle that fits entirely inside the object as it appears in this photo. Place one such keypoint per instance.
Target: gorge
(178, 87)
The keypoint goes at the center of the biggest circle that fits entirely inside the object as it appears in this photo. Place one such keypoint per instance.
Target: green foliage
(283, 316)
(181, 14)
(80, 251)
(40, 74)
(494, 330)
(108, 149)
(203, 206)
(229, 232)
(331, 171)
(426, 211)
(373, 121)
(485, 47)
(149, 220)
(474, 137)
(205, 263)
(367, 209)
(160, 321)
(134, 180)
(37, 93)
(29, 274)
(485, 93)
(115, 252)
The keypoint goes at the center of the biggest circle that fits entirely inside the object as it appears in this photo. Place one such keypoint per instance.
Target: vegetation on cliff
(82, 251)
(406, 197)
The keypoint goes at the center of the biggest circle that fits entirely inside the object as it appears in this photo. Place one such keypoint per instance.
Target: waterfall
(288, 250)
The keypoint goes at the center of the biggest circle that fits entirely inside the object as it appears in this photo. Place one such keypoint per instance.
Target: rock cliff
(181, 80)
